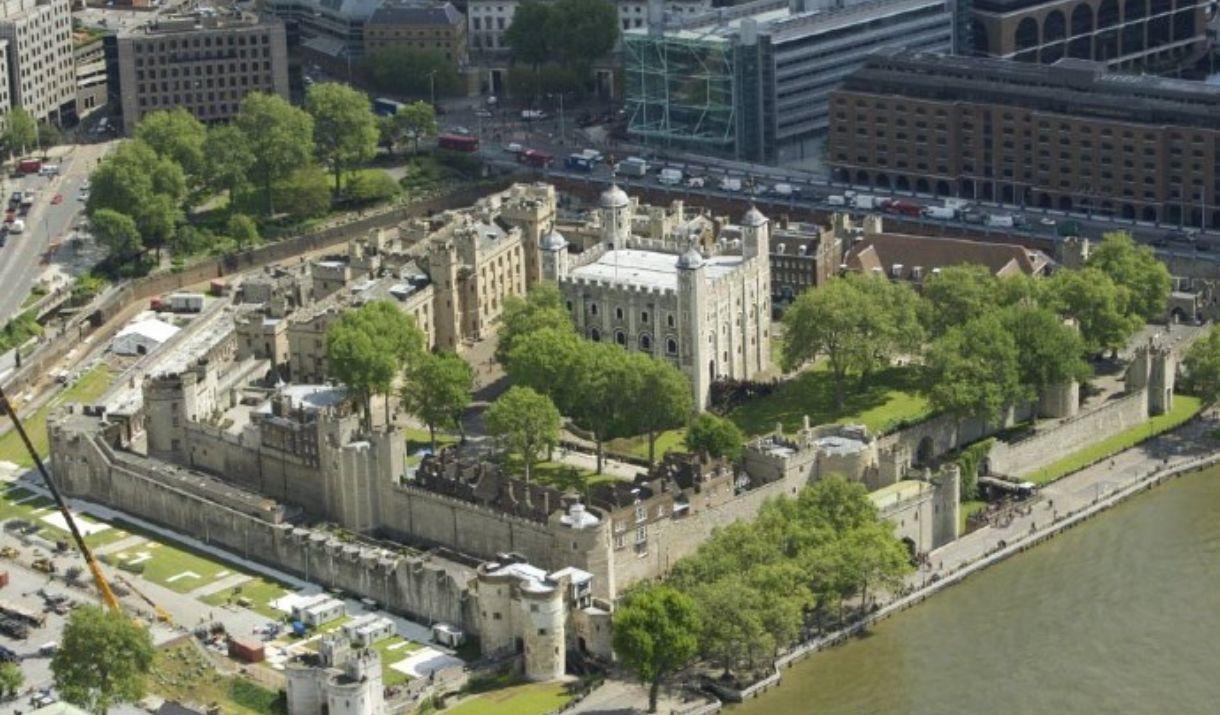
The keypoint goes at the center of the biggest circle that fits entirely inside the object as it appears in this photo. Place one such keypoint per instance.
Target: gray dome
(553, 241)
(753, 218)
(690, 260)
(614, 198)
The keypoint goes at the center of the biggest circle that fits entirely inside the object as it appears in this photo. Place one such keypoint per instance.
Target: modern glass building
(752, 81)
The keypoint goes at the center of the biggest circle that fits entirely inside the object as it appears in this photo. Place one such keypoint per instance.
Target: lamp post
(432, 86)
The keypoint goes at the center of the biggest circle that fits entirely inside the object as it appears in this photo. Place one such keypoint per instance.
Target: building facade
(753, 81)
(204, 63)
(41, 74)
(1070, 136)
(425, 27)
(704, 308)
(488, 20)
(1134, 35)
(91, 89)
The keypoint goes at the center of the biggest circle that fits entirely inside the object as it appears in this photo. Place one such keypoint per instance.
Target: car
(57, 199)
(695, 182)
(482, 113)
(532, 114)
(513, 148)
(83, 196)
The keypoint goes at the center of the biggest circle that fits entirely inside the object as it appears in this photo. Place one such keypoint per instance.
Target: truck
(29, 166)
(730, 184)
(17, 226)
(27, 201)
(632, 166)
(903, 207)
(836, 200)
(957, 204)
(1000, 220)
(458, 142)
(579, 162)
(866, 202)
(185, 302)
(940, 213)
(670, 177)
(784, 190)
(386, 107)
(535, 157)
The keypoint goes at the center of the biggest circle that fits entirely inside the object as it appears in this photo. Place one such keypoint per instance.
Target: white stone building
(338, 681)
(41, 67)
(704, 305)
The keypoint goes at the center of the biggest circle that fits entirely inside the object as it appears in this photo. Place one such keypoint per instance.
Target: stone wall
(1024, 457)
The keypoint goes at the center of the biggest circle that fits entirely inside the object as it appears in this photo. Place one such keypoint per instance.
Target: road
(21, 256)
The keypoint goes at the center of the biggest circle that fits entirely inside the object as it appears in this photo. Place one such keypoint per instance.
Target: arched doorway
(925, 452)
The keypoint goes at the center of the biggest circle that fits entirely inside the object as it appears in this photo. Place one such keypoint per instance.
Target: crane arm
(103, 588)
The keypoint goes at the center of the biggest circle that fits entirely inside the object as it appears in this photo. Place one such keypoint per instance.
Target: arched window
(1026, 35)
(645, 341)
(618, 313)
(620, 337)
(669, 319)
(595, 335)
(644, 317)
(593, 309)
(671, 346)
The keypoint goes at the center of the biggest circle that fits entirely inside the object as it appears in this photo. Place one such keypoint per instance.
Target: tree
(875, 557)
(656, 633)
(244, 232)
(137, 182)
(11, 680)
(118, 233)
(279, 137)
(859, 323)
(529, 33)
(176, 135)
(367, 347)
(714, 436)
(304, 194)
(582, 31)
(20, 131)
(540, 309)
(664, 401)
(226, 159)
(370, 186)
(1093, 300)
(344, 127)
(102, 659)
(957, 294)
(975, 369)
(1049, 352)
(730, 611)
(1202, 366)
(404, 70)
(606, 388)
(551, 361)
(416, 120)
(1136, 269)
(437, 390)
(526, 422)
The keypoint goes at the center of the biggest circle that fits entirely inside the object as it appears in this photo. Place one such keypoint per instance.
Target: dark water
(1119, 615)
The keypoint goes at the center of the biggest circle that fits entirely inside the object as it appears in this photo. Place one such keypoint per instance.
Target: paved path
(116, 547)
(219, 585)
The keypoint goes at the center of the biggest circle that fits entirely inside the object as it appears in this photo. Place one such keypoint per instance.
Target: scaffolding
(680, 90)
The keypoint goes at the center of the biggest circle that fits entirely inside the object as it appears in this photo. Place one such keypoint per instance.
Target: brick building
(1071, 136)
(437, 28)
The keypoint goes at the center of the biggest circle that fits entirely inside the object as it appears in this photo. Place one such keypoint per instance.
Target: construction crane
(99, 579)
(161, 614)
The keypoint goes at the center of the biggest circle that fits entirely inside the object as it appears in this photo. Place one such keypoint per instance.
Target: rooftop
(885, 251)
(314, 397)
(414, 12)
(649, 269)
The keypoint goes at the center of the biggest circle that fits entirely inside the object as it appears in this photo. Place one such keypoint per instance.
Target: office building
(41, 71)
(331, 31)
(91, 89)
(205, 63)
(421, 26)
(488, 19)
(1072, 136)
(752, 81)
(1136, 35)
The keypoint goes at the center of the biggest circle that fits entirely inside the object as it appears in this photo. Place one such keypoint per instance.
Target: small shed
(366, 630)
(247, 650)
(142, 337)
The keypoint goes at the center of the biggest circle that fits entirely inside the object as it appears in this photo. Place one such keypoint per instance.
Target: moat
(1114, 616)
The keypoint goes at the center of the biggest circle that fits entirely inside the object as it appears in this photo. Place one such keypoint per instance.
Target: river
(1119, 615)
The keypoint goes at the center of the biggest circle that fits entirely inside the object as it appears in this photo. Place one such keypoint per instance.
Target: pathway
(118, 547)
(220, 584)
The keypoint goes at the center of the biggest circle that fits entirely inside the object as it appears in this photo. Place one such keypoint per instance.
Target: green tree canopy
(956, 295)
(526, 422)
(304, 193)
(344, 127)
(118, 233)
(437, 390)
(134, 180)
(102, 660)
(416, 120)
(279, 137)
(582, 31)
(226, 159)
(975, 369)
(368, 347)
(20, 131)
(541, 308)
(1049, 352)
(1136, 269)
(404, 70)
(11, 680)
(176, 135)
(244, 232)
(656, 633)
(606, 390)
(664, 401)
(731, 612)
(715, 437)
(1202, 366)
(551, 361)
(1093, 300)
(529, 34)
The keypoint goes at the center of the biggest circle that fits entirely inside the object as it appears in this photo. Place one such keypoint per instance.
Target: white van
(49, 170)
(730, 184)
(17, 226)
(670, 177)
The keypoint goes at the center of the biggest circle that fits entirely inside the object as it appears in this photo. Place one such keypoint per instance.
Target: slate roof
(885, 250)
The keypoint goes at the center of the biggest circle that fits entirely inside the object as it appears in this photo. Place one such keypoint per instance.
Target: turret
(692, 306)
(553, 256)
(755, 234)
(615, 209)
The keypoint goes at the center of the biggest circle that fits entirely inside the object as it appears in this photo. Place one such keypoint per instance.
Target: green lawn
(389, 676)
(557, 474)
(530, 699)
(890, 399)
(10, 509)
(1184, 407)
(259, 591)
(182, 672)
(167, 562)
(89, 387)
(969, 508)
(418, 439)
(673, 440)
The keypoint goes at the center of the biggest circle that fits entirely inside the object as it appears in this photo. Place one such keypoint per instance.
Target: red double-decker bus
(537, 158)
(458, 142)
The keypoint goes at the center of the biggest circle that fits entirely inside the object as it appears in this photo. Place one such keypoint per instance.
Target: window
(669, 319)
(671, 346)
(595, 335)
(620, 337)
(644, 317)
(618, 313)
(645, 342)
(641, 513)
(641, 535)
(593, 309)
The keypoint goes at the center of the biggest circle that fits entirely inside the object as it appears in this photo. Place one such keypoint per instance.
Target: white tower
(692, 307)
(756, 234)
(553, 256)
(615, 209)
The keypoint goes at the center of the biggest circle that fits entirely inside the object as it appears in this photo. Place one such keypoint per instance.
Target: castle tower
(755, 234)
(443, 267)
(1074, 252)
(495, 603)
(1162, 373)
(615, 210)
(692, 310)
(360, 690)
(542, 624)
(553, 256)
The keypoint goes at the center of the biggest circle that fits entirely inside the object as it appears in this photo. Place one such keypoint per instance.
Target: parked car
(57, 199)
(513, 148)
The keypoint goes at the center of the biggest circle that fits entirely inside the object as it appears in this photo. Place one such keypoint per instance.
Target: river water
(1119, 615)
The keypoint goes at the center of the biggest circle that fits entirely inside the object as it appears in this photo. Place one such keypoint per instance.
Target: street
(21, 256)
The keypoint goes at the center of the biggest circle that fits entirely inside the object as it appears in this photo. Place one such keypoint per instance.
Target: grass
(969, 508)
(259, 591)
(673, 440)
(168, 561)
(10, 509)
(418, 439)
(529, 699)
(557, 474)
(389, 676)
(89, 387)
(1184, 407)
(890, 399)
(181, 672)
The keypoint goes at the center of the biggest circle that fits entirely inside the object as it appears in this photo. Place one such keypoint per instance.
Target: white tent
(142, 336)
